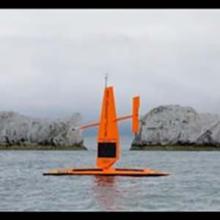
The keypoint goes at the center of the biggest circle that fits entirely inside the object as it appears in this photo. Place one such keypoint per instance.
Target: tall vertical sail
(108, 136)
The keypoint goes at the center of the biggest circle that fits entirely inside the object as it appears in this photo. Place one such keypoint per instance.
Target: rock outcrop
(20, 130)
(175, 125)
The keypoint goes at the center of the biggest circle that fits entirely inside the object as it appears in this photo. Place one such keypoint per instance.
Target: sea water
(193, 183)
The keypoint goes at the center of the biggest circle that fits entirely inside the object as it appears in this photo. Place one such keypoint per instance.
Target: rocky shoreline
(175, 147)
(170, 127)
(22, 133)
(174, 127)
(42, 147)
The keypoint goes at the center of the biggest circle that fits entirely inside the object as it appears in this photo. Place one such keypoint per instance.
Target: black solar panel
(106, 149)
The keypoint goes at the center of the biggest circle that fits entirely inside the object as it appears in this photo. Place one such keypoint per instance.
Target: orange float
(108, 152)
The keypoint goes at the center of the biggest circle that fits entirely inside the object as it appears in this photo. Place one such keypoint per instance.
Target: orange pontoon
(108, 142)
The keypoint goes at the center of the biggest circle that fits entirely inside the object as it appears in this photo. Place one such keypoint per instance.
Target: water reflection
(106, 192)
(105, 180)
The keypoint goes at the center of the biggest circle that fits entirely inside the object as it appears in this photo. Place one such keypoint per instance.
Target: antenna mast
(106, 79)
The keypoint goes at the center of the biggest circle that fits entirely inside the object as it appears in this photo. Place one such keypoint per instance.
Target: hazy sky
(52, 62)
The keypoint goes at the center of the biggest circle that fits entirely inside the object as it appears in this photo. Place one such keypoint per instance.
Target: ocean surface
(193, 183)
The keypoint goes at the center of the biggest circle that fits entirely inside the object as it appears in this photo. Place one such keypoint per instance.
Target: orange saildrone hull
(109, 172)
(108, 152)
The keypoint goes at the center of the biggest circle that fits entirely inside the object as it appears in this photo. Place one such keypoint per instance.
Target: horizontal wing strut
(122, 118)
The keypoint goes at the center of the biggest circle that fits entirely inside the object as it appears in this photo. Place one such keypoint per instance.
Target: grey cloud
(53, 61)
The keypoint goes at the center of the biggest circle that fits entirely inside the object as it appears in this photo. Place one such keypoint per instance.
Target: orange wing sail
(135, 116)
(108, 136)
